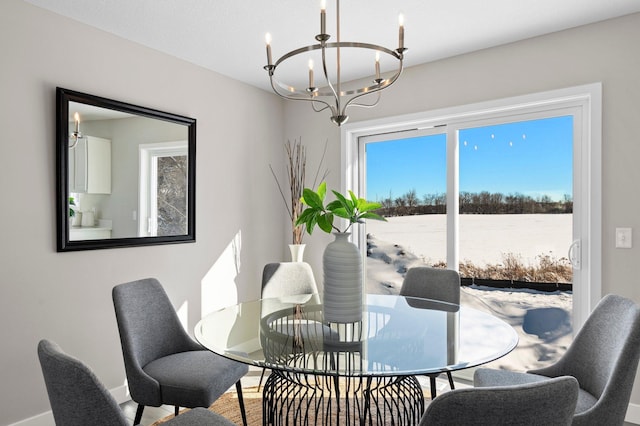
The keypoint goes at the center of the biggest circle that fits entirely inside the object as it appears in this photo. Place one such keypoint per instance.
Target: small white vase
(297, 252)
(88, 219)
(343, 282)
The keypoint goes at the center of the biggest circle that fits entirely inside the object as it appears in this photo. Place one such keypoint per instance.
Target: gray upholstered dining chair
(287, 278)
(164, 365)
(436, 284)
(78, 398)
(603, 358)
(548, 403)
(287, 281)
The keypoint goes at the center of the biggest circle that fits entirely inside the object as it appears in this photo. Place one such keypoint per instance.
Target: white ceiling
(227, 36)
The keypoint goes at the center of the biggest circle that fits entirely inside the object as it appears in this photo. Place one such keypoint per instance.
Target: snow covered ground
(483, 238)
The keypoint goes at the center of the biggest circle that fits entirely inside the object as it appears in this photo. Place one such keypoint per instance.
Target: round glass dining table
(352, 373)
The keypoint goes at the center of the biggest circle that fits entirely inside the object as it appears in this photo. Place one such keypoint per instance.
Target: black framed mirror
(125, 174)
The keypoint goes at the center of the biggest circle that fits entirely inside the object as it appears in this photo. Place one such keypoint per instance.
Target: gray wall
(605, 52)
(66, 297)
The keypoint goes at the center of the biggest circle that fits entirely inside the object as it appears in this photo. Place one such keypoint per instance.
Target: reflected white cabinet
(90, 166)
(95, 233)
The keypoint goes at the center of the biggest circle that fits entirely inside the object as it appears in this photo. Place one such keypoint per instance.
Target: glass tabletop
(397, 336)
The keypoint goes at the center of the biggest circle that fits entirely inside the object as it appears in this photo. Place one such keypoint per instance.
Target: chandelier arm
(350, 102)
(326, 106)
(333, 93)
(75, 136)
(292, 98)
(328, 80)
(284, 94)
(377, 89)
(357, 104)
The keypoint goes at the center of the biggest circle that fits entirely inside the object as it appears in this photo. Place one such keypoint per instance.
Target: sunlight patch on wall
(183, 315)
(218, 287)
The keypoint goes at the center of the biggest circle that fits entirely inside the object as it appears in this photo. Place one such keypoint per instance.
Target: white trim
(633, 414)
(587, 98)
(453, 197)
(120, 394)
(44, 419)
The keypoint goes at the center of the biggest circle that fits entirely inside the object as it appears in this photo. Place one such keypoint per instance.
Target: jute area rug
(228, 407)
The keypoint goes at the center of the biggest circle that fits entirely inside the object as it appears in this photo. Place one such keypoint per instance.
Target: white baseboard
(44, 419)
(120, 394)
(633, 414)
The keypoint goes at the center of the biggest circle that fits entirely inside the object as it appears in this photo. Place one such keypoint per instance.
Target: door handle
(575, 255)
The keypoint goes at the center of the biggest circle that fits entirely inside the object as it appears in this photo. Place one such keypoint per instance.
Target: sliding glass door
(492, 199)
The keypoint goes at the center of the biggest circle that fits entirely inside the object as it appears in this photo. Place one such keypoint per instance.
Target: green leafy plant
(352, 208)
(72, 207)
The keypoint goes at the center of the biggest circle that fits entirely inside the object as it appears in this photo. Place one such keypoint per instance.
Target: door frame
(587, 185)
(148, 154)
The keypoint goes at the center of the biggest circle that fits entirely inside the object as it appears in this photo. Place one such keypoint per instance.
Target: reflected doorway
(163, 186)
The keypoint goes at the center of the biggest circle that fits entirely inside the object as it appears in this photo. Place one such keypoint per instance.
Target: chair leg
(241, 402)
(432, 382)
(176, 411)
(261, 377)
(450, 380)
(138, 415)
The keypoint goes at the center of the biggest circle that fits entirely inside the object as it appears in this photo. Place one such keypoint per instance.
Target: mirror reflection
(128, 175)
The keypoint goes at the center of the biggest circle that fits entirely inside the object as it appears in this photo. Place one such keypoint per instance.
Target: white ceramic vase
(77, 219)
(88, 219)
(343, 281)
(297, 252)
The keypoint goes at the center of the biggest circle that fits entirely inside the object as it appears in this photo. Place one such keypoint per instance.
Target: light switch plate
(623, 238)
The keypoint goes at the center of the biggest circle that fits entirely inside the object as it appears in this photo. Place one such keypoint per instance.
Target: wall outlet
(623, 238)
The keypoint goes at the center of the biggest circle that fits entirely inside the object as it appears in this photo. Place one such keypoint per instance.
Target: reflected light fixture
(334, 95)
(75, 135)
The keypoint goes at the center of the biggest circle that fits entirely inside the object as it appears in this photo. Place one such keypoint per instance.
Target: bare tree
(411, 199)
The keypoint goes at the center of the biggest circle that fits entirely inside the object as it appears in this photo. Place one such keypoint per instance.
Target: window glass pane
(408, 176)
(172, 195)
(516, 196)
(516, 192)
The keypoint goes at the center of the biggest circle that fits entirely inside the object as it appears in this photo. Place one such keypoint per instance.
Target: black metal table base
(306, 399)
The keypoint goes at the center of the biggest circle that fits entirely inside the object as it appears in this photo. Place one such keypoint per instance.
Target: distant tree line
(473, 203)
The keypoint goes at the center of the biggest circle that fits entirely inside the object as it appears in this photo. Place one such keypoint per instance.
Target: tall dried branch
(296, 176)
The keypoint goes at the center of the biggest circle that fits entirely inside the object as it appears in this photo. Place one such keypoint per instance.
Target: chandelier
(75, 136)
(335, 95)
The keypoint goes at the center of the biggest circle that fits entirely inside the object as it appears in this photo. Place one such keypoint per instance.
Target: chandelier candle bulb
(267, 39)
(76, 116)
(311, 85)
(323, 16)
(377, 65)
(401, 31)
